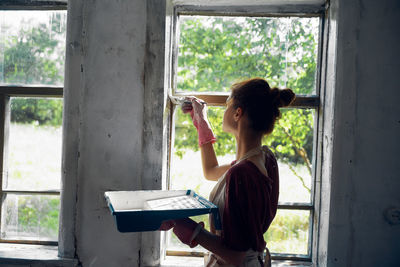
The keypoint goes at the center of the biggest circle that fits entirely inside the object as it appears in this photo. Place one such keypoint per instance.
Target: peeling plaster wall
(112, 51)
(365, 168)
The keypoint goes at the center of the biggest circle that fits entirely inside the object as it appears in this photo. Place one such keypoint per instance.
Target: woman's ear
(238, 114)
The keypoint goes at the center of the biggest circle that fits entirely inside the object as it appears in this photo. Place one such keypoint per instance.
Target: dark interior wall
(366, 161)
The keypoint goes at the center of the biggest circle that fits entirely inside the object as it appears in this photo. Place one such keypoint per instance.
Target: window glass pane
(32, 47)
(292, 143)
(289, 232)
(214, 52)
(186, 171)
(34, 144)
(30, 217)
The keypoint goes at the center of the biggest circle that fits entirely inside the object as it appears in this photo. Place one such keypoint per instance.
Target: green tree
(215, 52)
(35, 56)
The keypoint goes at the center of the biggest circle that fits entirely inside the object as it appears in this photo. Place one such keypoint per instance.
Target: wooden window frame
(6, 92)
(219, 99)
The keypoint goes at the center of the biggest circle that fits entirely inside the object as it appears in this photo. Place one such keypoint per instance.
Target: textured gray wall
(366, 163)
(112, 50)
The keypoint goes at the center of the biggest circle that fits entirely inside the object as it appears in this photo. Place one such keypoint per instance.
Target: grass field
(34, 163)
(34, 157)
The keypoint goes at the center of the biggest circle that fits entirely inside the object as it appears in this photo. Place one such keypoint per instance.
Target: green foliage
(288, 227)
(292, 138)
(36, 215)
(35, 56)
(214, 52)
(40, 110)
(186, 135)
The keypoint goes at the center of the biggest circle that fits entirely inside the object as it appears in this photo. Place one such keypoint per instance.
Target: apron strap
(267, 258)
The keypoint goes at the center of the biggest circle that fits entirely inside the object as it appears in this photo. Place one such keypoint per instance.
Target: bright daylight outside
(215, 52)
(32, 53)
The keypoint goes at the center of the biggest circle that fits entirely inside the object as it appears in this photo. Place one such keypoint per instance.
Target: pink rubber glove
(166, 225)
(186, 230)
(198, 112)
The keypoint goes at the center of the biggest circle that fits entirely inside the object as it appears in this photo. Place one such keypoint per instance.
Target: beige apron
(217, 196)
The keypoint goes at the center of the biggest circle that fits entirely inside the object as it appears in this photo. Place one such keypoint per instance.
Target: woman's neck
(246, 141)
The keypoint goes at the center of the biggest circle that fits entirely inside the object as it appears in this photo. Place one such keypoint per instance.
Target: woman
(248, 188)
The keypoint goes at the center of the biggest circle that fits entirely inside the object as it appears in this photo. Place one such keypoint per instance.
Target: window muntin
(32, 55)
(299, 121)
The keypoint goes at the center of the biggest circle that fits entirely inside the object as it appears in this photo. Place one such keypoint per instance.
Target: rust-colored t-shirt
(251, 201)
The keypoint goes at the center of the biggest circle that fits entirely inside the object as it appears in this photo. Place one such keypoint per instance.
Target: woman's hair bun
(260, 102)
(286, 97)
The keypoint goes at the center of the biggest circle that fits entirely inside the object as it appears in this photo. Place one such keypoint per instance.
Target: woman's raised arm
(211, 169)
(198, 111)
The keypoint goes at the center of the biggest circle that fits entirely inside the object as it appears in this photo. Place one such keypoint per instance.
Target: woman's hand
(198, 111)
(187, 230)
(214, 244)
(167, 225)
(192, 234)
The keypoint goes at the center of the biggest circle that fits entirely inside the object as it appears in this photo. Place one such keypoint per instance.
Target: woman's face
(228, 122)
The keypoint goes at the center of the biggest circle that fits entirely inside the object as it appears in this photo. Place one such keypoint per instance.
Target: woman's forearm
(211, 169)
(214, 244)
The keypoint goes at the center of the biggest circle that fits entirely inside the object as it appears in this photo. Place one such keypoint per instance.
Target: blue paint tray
(139, 211)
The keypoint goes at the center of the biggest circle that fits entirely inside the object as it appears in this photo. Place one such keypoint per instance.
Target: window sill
(180, 261)
(30, 254)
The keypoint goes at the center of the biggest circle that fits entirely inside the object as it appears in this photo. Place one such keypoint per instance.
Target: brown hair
(260, 102)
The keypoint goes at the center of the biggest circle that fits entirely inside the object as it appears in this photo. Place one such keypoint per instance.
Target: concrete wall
(365, 160)
(104, 125)
(111, 127)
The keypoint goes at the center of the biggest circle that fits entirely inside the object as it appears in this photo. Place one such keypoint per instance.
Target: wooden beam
(295, 206)
(281, 10)
(30, 242)
(219, 99)
(32, 91)
(30, 192)
(33, 5)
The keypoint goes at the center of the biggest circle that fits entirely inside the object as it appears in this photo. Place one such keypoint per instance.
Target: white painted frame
(24, 91)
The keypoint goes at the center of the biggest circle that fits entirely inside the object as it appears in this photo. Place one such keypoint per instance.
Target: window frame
(314, 101)
(8, 91)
